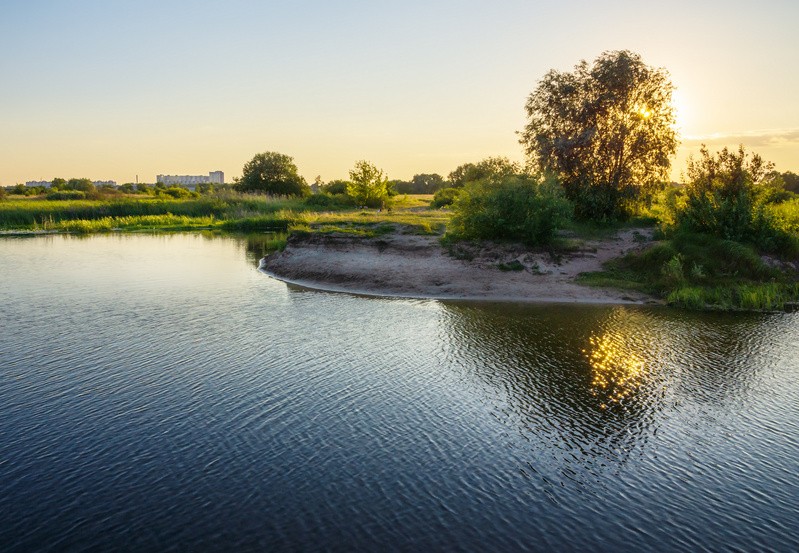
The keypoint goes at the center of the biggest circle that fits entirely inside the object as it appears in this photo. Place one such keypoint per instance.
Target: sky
(114, 89)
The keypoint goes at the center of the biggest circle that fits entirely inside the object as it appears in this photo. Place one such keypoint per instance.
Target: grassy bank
(699, 272)
(39, 213)
(688, 270)
(230, 212)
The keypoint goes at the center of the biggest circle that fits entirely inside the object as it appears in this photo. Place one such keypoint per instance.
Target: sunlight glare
(682, 111)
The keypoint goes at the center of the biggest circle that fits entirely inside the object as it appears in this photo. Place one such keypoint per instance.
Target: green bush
(324, 199)
(66, 195)
(336, 187)
(729, 195)
(516, 208)
(445, 197)
(699, 270)
(176, 192)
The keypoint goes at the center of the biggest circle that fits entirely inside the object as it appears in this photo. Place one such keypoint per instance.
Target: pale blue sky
(111, 89)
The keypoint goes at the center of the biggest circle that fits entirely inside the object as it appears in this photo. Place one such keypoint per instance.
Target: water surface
(158, 393)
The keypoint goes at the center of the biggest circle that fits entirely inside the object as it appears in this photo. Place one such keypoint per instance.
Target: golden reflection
(617, 370)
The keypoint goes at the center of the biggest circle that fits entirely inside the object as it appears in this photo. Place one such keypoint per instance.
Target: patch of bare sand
(403, 265)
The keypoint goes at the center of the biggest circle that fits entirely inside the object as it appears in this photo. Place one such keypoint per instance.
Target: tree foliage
(423, 183)
(368, 185)
(492, 168)
(272, 173)
(337, 186)
(791, 182)
(427, 183)
(606, 130)
(84, 185)
(516, 208)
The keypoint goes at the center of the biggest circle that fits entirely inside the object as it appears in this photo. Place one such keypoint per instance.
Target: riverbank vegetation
(598, 141)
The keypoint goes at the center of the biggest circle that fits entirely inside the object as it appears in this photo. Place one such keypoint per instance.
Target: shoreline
(384, 294)
(417, 267)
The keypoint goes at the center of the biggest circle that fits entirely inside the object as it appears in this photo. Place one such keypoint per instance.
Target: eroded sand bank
(406, 265)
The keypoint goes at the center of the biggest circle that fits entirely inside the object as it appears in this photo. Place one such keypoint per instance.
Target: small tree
(606, 131)
(272, 173)
(368, 185)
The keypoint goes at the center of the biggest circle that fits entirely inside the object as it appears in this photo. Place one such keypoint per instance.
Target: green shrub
(445, 197)
(176, 192)
(730, 196)
(325, 199)
(517, 208)
(66, 195)
(336, 187)
(673, 270)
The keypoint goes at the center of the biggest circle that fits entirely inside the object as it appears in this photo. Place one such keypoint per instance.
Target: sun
(682, 111)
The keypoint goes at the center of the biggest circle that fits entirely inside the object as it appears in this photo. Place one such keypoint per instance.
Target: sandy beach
(412, 266)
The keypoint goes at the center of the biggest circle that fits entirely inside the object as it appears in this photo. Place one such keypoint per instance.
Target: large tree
(272, 173)
(606, 130)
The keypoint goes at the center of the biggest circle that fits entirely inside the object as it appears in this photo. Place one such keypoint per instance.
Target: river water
(157, 392)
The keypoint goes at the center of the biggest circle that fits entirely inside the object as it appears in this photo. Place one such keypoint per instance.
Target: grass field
(231, 212)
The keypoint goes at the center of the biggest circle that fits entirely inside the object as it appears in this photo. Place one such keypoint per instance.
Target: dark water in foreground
(158, 393)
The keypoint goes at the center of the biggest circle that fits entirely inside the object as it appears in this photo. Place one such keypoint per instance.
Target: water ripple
(182, 400)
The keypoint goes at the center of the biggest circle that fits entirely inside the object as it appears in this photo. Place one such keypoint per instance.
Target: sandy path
(405, 265)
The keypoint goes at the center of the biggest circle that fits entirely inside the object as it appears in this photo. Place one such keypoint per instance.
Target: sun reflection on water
(617, 369)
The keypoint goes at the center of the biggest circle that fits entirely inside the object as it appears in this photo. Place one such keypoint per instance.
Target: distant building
(104, 182)
(214, 177)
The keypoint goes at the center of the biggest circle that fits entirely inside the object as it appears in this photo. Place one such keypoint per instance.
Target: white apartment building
(214, 177)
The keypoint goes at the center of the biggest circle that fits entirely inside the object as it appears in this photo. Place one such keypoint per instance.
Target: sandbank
(413, 266)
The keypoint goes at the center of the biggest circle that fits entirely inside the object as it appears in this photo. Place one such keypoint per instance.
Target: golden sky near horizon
(110, 90)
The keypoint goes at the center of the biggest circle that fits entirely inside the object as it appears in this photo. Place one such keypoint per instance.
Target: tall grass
(279, 220)
(134, 222)
(767, 296)
(26, 213)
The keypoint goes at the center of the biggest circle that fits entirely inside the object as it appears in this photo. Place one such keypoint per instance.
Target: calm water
(159, 393)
